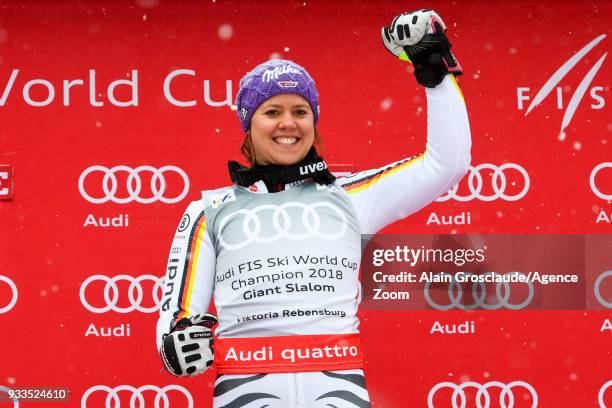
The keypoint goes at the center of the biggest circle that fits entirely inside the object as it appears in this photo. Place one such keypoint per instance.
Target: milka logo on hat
(244, 112)
(271, 74)
(287, 84)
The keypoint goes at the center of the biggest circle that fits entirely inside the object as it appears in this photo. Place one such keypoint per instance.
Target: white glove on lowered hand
(187, 350)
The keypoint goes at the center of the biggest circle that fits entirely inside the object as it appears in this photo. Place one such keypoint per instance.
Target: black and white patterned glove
(419, 37)
(187, 350)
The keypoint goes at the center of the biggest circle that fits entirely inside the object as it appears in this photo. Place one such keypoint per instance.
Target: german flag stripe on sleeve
(454, 81)
(362, 184)
(191, 265)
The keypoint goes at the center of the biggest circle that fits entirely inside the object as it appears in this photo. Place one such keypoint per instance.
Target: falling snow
(225, 32)
(577, 145)
(385, 105)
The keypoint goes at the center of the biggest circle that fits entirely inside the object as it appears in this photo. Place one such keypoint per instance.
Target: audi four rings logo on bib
(596, 190)
(479, 295)
(282, 225)
(107, 294)
(482, 398)
(500, 182)
(108, 189)
(169, 396)
(602, 393)
(14, 294)
(597, 289)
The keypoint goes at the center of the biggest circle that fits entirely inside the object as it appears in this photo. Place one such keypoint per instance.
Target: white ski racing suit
(283, 268)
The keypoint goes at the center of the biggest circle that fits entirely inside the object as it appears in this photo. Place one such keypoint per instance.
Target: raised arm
(387, 194)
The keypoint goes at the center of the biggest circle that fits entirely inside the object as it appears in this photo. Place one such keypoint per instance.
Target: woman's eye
(301, 112)
(272, 112)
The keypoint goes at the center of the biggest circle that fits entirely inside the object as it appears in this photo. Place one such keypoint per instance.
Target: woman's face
(282, 130)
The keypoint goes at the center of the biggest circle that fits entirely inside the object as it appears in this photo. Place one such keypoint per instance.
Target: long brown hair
(247, 149)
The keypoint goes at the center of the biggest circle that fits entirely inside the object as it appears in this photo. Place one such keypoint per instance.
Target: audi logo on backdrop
(479, 294)
(14, 294)
(280, 225)
(108, 294)
(594, 187)
(506, 397)
(602, 393)
(169, 396)
(501, 180)
(597, 289)
(109, 189)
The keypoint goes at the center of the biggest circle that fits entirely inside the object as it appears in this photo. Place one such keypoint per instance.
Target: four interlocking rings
(475, 183)
(13, 300)
(597, 289)
(506, 393)
(134, 184)
(111, 293)
(602, 392)
(136, 395)
(594, 187)
(479, 296)
(281, 222)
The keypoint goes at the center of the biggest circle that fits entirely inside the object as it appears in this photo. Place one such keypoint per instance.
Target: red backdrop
(535, 178)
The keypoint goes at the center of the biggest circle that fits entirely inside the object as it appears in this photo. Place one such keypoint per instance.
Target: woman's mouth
(285, 140)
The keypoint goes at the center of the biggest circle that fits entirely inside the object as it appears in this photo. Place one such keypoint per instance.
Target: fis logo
(597, 100)
(218, 199)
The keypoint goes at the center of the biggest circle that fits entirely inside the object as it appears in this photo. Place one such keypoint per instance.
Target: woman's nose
(287, 120)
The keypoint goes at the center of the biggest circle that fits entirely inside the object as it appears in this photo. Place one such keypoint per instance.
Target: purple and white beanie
(271, 78)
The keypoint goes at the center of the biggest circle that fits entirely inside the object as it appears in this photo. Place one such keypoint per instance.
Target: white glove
(187, 350)
(409, 28)
(418, 37)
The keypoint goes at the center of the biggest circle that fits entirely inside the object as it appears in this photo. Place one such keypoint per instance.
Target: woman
(279, 249)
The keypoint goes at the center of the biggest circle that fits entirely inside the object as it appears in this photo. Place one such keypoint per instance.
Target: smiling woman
(282, 130)
(279, 249)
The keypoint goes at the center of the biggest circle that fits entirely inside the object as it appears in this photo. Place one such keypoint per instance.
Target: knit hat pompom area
(274, 77)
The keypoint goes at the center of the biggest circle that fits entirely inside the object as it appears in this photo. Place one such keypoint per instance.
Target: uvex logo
(311, 168)
(597, 100)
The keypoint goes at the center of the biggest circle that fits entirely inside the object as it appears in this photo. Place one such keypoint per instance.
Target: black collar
(311, 167)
